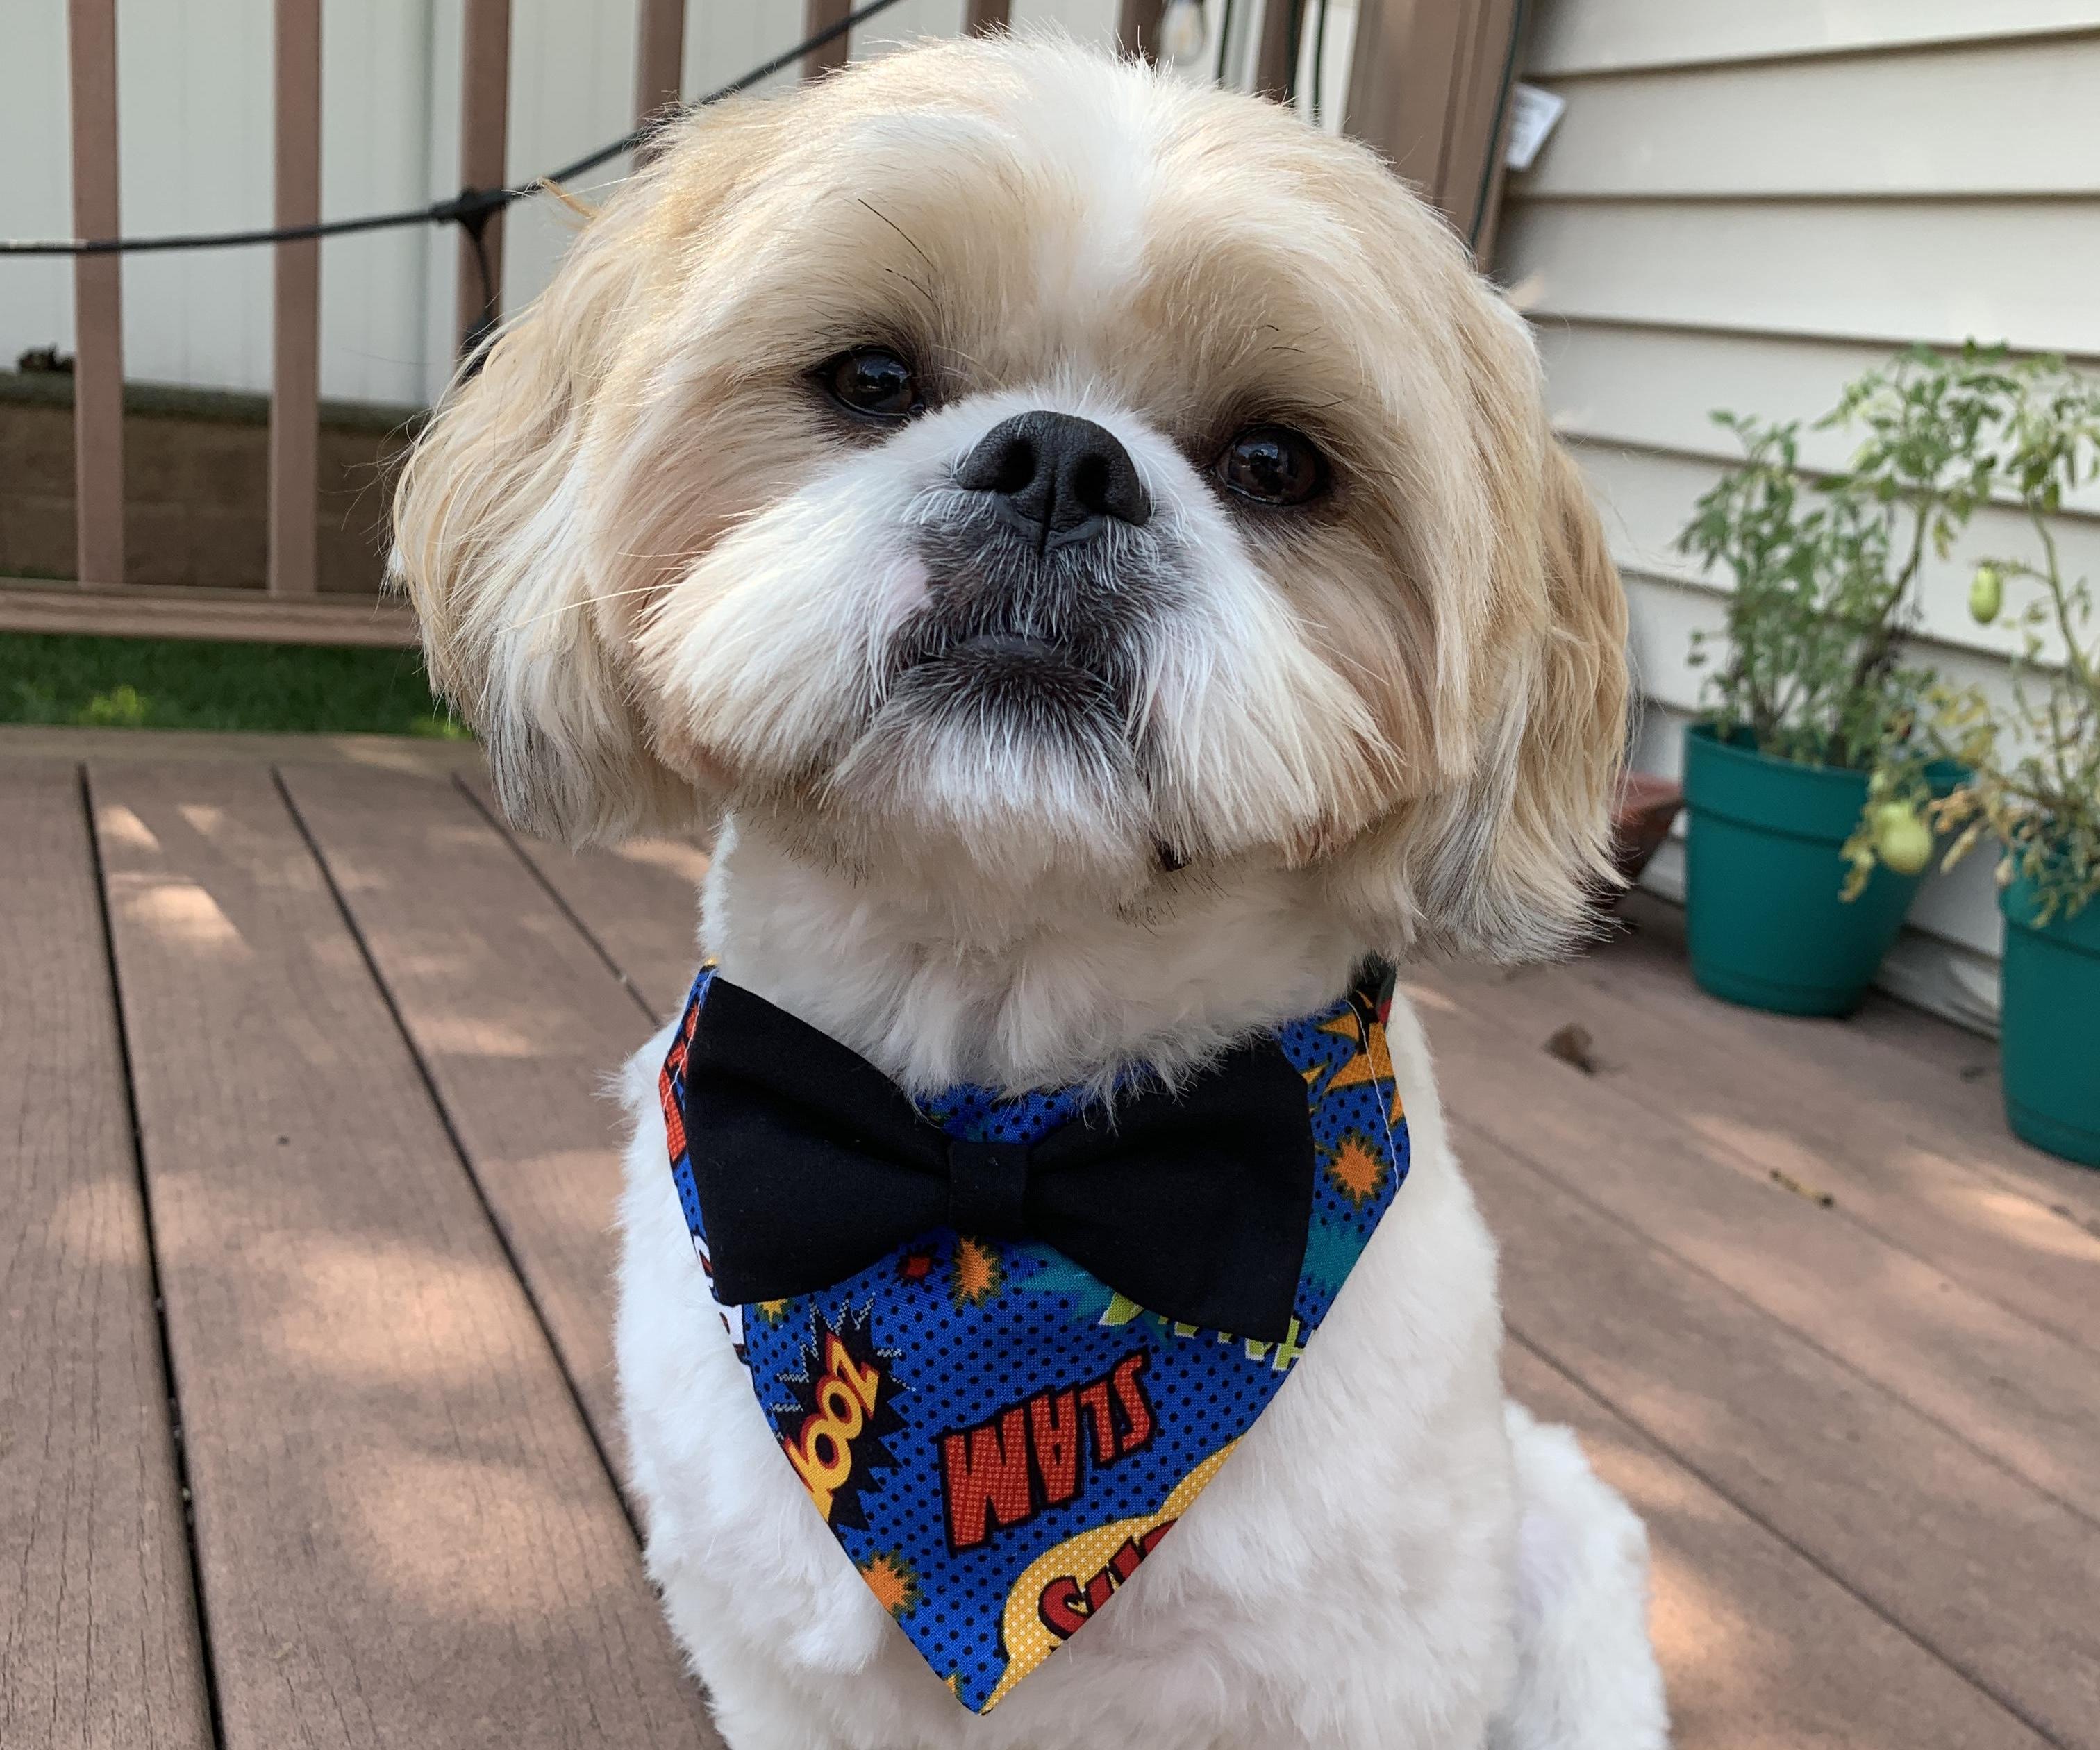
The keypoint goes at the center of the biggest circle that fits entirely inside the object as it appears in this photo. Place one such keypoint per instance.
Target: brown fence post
(1402, 84)
(1137, 27)
(295, 314)
(821, 14)
(1476, 173)
(659, 62)
(1276, 53)
(484, 132)
(98, 298)
(1426, 88)
(981, 15)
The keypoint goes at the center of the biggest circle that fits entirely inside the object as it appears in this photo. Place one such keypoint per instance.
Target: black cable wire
(465, 207)
(1495, 133)
(1225, 41)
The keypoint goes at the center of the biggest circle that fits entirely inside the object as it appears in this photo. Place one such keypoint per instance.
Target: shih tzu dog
(1090, 549)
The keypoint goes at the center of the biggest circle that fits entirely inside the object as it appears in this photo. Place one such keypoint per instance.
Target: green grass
(178, 684)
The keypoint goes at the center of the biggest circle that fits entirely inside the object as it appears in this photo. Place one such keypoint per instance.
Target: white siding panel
(2002, 118)
(1658, 388)
(1892, 271)
(1666, 611)
(1646, 497)
(1603, 36)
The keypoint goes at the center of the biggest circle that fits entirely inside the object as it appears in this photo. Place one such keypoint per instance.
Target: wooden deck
(307, 1426)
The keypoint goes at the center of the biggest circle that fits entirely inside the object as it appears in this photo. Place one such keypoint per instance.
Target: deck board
(2002, 1384)
(406, 1533)
(519, 1023)
(639, 902)
(1866, 1438)
(1921, 1090)
(98, 1646)
(1762, 1649)
(1826, 1132)
(1990, 1574)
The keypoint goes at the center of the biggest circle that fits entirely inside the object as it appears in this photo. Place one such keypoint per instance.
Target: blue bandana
(996, 1438)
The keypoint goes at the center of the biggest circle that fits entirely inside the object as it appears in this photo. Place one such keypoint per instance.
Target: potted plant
(1812, 685)
(2033, 761)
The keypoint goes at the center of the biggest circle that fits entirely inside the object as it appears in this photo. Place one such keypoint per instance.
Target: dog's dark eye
(873, 380)
(1272, 464)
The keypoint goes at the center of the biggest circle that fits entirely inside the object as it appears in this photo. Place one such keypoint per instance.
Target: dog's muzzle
(1043, 572)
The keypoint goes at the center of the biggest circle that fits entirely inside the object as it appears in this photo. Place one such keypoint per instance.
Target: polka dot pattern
(976, 1348)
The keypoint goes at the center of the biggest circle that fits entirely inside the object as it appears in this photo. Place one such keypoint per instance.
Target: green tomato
(1987, 594)
(1901, 839)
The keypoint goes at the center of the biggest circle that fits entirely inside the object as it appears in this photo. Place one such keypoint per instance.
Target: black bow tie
(812, 1165)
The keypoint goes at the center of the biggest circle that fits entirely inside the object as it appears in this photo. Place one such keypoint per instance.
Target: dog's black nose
(1057, 478)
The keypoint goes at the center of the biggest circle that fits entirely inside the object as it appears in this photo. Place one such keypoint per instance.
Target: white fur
(1391, 1559)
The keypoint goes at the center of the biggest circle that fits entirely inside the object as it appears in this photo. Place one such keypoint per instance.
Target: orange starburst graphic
(1357, 1168)
(978, 1273)
(1372, 1063)
(891, 1580)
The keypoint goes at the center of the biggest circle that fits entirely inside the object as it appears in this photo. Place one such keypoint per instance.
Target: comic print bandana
(996, 1438)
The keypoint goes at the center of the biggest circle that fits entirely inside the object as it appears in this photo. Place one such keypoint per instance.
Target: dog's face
(997, 465)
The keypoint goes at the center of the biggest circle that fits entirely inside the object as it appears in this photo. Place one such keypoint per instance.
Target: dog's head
(997, 464)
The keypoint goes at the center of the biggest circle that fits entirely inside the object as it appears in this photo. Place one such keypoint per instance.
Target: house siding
(1743, 207)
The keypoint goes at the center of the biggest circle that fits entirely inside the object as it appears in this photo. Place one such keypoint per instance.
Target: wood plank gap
(198, 1601)
(518, 1022)
(639, 898)
(1692, 1468)
(409, 1538)
(1880, 1388)
(459, 1148)
(501, 829)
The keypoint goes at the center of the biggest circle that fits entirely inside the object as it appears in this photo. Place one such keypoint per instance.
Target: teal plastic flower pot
(2050, 1026)
(1762, 871)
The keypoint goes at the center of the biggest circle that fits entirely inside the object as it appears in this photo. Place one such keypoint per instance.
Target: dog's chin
(1000, 764)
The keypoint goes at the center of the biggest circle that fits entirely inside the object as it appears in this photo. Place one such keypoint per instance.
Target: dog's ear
(1503, 856)
(1554, 853)
(498, 522)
